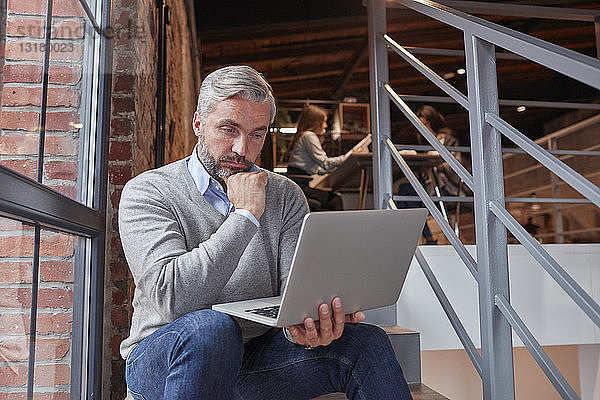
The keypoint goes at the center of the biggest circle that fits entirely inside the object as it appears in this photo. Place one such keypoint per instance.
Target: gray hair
(237, 80)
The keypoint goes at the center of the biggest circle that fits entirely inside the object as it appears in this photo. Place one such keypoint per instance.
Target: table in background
(354, 172)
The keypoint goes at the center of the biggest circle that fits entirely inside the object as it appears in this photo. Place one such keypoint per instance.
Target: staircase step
(407, 346)
(419, 391)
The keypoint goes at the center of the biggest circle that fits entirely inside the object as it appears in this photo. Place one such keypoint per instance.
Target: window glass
(70, 101)
(71, 96)
(55, 314)
(16, 261)
(58, 301)
(21, 32)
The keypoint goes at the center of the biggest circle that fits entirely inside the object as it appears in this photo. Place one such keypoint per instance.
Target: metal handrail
(568, 62)
(427, 134)
(497, 316)
(459, 328)
(504, 102)
(455, 53)
(553, 268)
(520, 10)
(564, 14)
(571, 128)
(539, 355)
(508, 150)
(470, 199)
(566, 173)
(428, 72)
(437, 215)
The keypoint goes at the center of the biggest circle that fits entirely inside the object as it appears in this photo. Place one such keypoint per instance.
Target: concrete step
(419, 391)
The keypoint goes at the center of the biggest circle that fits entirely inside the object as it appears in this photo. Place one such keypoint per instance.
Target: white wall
(548, 312)
(570, 338)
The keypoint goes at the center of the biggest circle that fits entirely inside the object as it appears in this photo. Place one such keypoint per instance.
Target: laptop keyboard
(270, 311)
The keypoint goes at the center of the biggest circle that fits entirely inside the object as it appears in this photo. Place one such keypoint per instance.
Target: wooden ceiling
(310, 49)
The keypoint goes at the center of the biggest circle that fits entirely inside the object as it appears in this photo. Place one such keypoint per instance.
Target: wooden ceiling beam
(440, 64)
(338, 47)
(411, 81)
(284, 78)
(357, 59)
(253, 32)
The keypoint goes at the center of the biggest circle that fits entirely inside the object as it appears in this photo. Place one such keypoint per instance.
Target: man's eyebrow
(231, 122)
(227, 121)
(261, 128)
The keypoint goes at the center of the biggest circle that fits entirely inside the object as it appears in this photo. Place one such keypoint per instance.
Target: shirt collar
(199, 174)
(201, 177)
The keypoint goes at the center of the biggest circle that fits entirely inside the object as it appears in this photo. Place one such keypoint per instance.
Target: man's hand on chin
(246, 190)
(321, 333)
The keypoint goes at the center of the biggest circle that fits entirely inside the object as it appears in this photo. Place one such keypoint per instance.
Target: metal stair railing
(459, 328)
(497, 317)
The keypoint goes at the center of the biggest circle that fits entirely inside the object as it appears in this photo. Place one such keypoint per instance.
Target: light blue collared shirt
(213, 191)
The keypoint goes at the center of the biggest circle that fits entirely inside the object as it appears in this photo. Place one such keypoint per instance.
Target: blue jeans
(202, 356)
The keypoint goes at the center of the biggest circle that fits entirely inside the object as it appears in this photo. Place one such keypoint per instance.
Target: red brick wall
(2, 41)
(20, 101)
(54, 318)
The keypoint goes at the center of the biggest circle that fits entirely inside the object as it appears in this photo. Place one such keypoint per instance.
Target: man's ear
(196, 123)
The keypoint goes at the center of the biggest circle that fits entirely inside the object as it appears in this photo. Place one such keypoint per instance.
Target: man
(215, 228)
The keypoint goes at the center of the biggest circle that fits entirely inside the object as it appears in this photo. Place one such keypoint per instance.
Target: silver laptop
(360, 256)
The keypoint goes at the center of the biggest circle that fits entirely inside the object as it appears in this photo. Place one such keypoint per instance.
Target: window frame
(28, 201)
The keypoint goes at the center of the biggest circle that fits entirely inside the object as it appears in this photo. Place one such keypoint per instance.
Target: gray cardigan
(185, 256)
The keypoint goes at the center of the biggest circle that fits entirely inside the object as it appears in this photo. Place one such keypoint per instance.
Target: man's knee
(369, 340)
(213, 332)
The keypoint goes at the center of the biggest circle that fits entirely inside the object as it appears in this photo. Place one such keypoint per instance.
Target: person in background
(442, 176)
(307, 157)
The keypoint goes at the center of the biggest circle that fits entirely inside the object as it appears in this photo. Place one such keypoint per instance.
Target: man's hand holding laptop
(329, 328)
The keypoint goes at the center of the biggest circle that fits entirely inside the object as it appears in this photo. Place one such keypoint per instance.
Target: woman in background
(307, 157)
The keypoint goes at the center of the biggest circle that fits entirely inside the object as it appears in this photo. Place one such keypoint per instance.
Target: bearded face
(231, 136)
(223, 167)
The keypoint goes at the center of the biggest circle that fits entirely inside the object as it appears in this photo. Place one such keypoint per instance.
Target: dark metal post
(94, 383)
(597, 32)
(161, 95)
